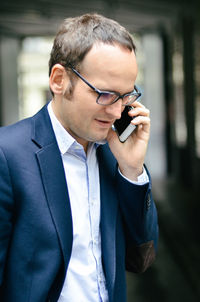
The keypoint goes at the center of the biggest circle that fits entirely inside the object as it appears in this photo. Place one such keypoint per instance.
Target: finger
(142, 123)
(145, 120)
(139, 111)
(137, 104)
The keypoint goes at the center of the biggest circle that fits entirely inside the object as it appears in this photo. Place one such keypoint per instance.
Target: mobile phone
(123, 126)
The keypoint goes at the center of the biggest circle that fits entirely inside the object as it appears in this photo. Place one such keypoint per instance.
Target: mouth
(104, 123)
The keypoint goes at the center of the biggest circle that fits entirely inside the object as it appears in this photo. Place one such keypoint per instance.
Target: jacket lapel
(109, 206)
(53, 177)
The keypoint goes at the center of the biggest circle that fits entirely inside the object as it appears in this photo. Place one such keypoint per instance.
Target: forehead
(110, 63)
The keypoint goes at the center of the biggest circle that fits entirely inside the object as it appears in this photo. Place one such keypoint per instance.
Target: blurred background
(166, 33)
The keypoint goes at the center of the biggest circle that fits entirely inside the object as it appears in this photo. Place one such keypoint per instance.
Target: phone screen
(124, 121)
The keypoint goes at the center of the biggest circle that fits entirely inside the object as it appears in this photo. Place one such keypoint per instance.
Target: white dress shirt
(85, 280)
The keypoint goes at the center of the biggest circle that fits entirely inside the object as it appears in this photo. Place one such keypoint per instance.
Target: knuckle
(148, 112)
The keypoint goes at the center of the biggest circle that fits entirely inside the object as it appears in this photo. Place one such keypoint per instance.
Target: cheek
(85, 106)
(75, 113)
(82, 105)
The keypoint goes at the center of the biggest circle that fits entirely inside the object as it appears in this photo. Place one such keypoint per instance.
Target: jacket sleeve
(140, 224)
(6, 210)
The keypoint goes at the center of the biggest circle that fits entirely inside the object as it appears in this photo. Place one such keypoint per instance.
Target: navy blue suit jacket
(36, 223)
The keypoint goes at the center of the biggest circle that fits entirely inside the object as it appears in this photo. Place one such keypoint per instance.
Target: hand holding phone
(123, 126)
(130, 156)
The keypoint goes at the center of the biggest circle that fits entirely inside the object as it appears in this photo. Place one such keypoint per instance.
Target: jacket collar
(53, 178)
(42, 130)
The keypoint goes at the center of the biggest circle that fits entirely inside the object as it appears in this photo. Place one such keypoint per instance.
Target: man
(75, 203)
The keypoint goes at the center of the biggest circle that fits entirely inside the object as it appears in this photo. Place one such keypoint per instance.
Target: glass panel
(33, 75)
(178, 79)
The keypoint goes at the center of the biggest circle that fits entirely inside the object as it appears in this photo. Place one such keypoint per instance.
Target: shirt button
(93, 201)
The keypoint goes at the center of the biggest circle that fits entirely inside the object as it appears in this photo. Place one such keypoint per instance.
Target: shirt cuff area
(141, 180)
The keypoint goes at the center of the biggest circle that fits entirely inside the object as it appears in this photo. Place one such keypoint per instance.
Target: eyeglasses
(110, 97)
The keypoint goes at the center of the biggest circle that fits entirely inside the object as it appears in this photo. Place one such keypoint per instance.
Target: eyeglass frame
(100, 92)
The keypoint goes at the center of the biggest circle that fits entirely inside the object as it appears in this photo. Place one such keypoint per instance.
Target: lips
(104, 123)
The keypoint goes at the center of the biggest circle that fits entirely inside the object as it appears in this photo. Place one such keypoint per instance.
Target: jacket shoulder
(15, 132)
(21, 131)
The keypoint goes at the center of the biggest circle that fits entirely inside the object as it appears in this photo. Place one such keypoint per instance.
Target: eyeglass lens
(106, 98)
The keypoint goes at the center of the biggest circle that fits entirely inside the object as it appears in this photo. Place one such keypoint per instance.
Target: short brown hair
(77, 35)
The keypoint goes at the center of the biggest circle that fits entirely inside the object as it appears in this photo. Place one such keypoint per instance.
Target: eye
(106, 98)
(106, 95)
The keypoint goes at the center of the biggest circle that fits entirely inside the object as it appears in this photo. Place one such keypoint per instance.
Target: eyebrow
(116, 92)
(94, 87)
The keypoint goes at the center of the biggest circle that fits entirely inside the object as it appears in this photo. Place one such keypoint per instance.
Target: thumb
(111, 135)
(113, 140)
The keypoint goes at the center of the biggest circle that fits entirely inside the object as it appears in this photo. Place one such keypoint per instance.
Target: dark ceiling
(42, 17)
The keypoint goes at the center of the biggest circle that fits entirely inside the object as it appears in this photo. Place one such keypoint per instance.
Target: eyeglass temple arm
(84, 80)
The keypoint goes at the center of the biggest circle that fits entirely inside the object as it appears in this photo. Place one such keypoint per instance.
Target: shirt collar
(64, 139)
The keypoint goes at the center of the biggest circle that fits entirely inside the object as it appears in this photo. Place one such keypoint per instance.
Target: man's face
(107, 67)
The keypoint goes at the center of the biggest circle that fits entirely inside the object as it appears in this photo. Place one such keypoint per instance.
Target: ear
(58, 79)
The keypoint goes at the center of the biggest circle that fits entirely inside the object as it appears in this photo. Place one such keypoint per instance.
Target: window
(33, 75)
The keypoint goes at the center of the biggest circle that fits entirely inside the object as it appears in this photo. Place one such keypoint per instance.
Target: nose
(115, 109)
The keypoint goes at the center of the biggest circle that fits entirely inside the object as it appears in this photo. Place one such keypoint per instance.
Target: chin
(97, 138)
